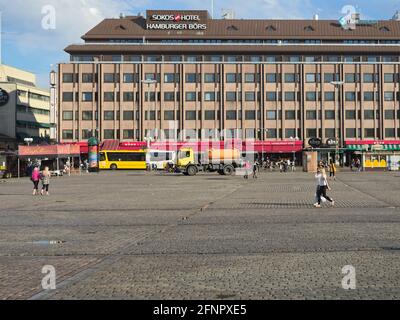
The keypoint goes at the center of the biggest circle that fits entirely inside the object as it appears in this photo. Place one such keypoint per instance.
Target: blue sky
(25, 44)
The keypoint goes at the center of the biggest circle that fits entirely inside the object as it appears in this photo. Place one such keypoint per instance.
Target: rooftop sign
(182, 20)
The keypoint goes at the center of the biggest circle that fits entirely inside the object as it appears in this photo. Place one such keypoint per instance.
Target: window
(169, 115)
(151, 95)
(109, 134)
(171, 77)
(86, 134)
(109, 96)
(290, 77)
(330, 114)
(389, 96)
(271, 77)
(271, 96)
(190, 115)
(389, 78)
(108, 115)
(350, 114)
(209, 115)
(169, 96)
(250, 115)
(390, 132)
(128, 96)
(231, 77)
(111, 78)
(330, 133)
(129, 78)
(210, 78)
(350, 77)
(68, 77)
(192, 58)
(290, 133)
(331, 77)
(350, 132)
(190, 96)
(68, 115)
(369, 78)
(231, 115)
(87, 77)
(329, 96)
(231, 96)
(233, 58)
(250, 77)
(87, 115)
(67, 134)
(271, 115)
(369, 133)
(209, 96)
(68, 96)
(311, 115)
(250, 96)
(311, 96)
(389, 114)
(190, 77)
(87, 96)
(128, 115)
(311, 133)
(152, 77)
(368, 96)
(290, 115)
(272, 134)
(350, 96)
(290, 96)
(311, 77)
(128, 134)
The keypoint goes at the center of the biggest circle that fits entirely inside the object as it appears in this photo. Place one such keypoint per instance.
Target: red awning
(49, 151)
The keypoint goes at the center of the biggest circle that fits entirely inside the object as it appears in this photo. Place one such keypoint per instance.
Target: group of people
(43, 176)
(284, 165)
(356, 163)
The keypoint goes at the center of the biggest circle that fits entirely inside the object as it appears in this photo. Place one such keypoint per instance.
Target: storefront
(375, 154)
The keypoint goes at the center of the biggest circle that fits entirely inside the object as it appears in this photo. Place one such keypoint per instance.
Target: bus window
(102, 156)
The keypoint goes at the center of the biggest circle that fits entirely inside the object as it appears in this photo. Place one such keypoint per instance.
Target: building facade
(182, 75)
(24, 108)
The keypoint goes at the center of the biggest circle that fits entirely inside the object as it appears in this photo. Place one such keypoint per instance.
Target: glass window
(209, 96)
(350, 77)
(290, 133)
(87, 96)
(169, 77)
(369, 133)
(350, 132)
(153, 58)
(128, 134)
(389, 96)
(108, 115)
(169, 115)
(68, 115)
(271, 115)
(110, 78)
(329, 96)
(368, 96)
(109, 96)
(350, 114)
(231, 115)
(271, 77)
(231, 77)
(190, 77)
(271, 96)
(290, 96)
(209, 115)
(173, 58)
(350, 96)
(311, 115)
(209, 78)
(311, 133)
(86, 134)
(290, 114)
(191, 96)
(150, 115)
(250, 114)
(330, 133)
(389, 77)
(311, 96)
(190, 115)
(128, 96)
(311, 77)
(250, 78)
(330, 114)
(390, 132)
(68, 77)
(290, 77)
(150, 77)
(109, 134)
(272, 133)
(368, 77)
(67, 134)
(192, 58)
(250, 96)
(231, 96)
(87, 77)
(169, 96)
(68, 96)
(87, 115)
(369, 114)
(389, 114)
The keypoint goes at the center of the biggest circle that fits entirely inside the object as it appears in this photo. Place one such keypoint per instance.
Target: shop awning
(49, 151)
(34, 124)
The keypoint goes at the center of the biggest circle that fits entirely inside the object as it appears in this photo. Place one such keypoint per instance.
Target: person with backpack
(322, 186)
(35, 178)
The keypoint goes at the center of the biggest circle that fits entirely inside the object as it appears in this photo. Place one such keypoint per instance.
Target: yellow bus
(122, 159)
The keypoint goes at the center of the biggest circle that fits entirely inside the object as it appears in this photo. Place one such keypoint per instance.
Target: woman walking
(322, 187)
(35, 177)
(332, 170)
(46, 181)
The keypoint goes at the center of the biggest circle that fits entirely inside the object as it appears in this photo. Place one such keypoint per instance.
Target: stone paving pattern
(133, 235)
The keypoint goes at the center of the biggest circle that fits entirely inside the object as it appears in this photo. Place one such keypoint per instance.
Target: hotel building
(183, 75)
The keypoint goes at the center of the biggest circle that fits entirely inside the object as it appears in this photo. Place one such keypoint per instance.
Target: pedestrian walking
(35, 177)
(247, 168)
(332, 170)
(323, 186)
(45, 181)
(255, 170)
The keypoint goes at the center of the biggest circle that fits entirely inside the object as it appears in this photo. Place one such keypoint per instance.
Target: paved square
(132, 235)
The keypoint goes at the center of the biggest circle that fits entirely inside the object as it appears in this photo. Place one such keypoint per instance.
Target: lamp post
(28, 141)
(338, 85)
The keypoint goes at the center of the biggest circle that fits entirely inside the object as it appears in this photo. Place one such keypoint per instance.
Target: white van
(158, 159)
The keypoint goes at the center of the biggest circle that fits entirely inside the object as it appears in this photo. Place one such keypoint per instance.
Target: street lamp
(338, 85)
(28, 141)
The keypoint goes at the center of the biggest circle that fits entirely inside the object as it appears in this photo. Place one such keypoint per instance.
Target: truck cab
(185, 157)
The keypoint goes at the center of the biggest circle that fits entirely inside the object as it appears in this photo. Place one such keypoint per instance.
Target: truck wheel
(113, 167)
(191, 171)
(228, 170)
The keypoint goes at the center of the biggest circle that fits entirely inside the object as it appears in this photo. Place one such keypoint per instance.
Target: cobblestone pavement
(132, 235)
